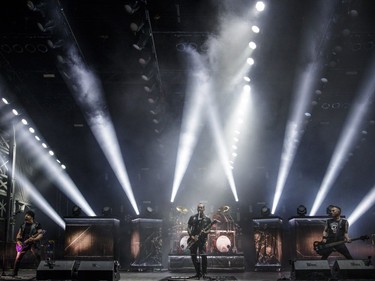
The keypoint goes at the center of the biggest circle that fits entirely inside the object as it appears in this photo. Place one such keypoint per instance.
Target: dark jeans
(199, 256)
(342, 249)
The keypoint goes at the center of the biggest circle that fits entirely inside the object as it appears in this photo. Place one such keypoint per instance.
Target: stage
(164, 275)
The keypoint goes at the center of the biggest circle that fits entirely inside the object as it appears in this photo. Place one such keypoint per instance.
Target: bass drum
(223, 244)
(184, 243)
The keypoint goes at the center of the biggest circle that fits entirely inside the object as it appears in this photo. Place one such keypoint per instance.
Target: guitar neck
(209, 226)
(342, 242)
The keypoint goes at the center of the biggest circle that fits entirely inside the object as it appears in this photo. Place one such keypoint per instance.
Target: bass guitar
(27, 243)
(321, 247)
(192, 240)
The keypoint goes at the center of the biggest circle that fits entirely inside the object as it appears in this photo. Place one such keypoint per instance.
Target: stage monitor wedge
(56, 270)
(98, 270)
(311, 270)
(353, 269)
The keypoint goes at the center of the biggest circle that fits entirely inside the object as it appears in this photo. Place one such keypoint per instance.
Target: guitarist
(336, 229)
(28, 237)
(196, 229)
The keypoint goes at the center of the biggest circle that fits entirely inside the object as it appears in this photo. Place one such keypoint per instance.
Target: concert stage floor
(28, 274)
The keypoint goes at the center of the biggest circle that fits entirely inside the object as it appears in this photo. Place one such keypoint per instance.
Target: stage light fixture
(132, 7)
(150, 88)
(30, 48)
(20, 207)
(137, 26)
(31, 5)
(36, 7)
(6, 48)
(55, 45)
(107, 211)
(255, 29)
(252, 45)
(142, 41)
(76, 211)
(260, 6)
(144, 60)
(250, 61)
(150, 73)
(48, 26)
(301, 210)
(265, 211)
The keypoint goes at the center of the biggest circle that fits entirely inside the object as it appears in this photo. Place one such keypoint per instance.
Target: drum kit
(221, 238)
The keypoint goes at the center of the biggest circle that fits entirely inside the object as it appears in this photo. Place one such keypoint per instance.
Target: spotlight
(137, 26)
(142, 41)
(255, 29)
(31, 5)
(131, 8)
(265, 211)
(157, 109)
(107, 211)
(150, 88)
(20, 207)
(301, 210)
(149, 210)
(144, 60)
(260, 6)
(48, 26)
(156, 120)
(55, 45)
(252, 45)
(250, 61)
(149, 73)
(76, 211)
(152, 99)
(35, 7)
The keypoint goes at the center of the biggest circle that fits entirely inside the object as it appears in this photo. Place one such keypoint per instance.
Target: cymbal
(223, 209)
(182, 210)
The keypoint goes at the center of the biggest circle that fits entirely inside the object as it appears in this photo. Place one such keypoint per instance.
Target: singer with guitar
(28, 237)
(198, 227)
(335, 230)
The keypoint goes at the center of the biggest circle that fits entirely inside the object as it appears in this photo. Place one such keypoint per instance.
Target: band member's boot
(16, 268)
(204, 266)
(197, 267)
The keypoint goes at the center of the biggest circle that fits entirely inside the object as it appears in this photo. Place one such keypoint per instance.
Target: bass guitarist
(28, 237)
(198, 228)
(336, 229)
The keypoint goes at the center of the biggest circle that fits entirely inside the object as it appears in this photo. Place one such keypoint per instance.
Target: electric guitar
(321, 247)
(27, 243)
(192, 240)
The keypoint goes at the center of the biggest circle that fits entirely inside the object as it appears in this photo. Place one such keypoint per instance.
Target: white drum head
(223, 244)
(184, 243)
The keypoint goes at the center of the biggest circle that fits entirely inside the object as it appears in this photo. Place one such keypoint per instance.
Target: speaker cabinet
(146, 243)
(311, 269)
(84, 238)
(52, 270)
(353, 269)
(98, 270)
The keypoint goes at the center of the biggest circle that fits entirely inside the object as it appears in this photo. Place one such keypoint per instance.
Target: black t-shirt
(336, 229)
(196, 224)
(29, 229)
